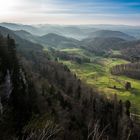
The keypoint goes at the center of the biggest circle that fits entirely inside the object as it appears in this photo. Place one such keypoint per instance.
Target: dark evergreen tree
(128, 85)
(78, 92)
(127, 105)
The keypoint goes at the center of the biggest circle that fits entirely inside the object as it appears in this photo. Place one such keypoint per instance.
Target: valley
(56, 79)
(92, 58)
(99, 77)
(70, 70)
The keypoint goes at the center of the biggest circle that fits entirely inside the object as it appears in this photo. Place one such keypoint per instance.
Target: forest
(130, 70)
(42, 99)
(70, 70)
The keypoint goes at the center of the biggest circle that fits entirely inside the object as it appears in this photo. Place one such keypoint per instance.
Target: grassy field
(97, 74)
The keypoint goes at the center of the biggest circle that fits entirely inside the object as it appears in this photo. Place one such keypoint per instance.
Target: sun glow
(69, 12)
(6, 6)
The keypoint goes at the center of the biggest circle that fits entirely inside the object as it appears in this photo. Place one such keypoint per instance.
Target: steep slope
(111, 34)
(27, 36)
(21, 44)
(17, 94)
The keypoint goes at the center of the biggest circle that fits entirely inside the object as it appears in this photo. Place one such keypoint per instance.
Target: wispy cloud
(74, 11)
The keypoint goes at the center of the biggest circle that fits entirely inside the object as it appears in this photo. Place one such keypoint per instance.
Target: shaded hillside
(130, 30)
(102, 45)
(22, 44)
(57, 41)
(26, 35)
(17, 93)
(111, 34)
(49, 40)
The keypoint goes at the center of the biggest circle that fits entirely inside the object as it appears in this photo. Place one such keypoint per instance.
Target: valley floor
(97, 75)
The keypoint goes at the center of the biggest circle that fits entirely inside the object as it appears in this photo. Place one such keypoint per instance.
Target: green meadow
(97, 75)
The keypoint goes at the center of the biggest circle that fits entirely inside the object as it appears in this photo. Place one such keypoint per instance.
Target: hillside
(57, 41)
(49, 40)
(17, 93)
(14, 26)
(47, 97)
(131, 50)
(102, 46)
(21, 42)
(22, 45)
(111, 34)
(27, 36)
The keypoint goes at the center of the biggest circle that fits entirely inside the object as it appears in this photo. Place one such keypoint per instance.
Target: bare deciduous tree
(95, 132)
(47, 133)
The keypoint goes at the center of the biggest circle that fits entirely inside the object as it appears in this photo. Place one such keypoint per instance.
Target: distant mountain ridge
(100, 45)
(58, 41)
(21, 43)
(40, 30)
(111, 34)
(75, 31)
(26, 35)
(49, 40)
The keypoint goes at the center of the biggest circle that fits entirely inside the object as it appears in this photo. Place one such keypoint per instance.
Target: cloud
(74, 11)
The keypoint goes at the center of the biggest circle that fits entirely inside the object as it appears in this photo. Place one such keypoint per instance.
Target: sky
(72, 12)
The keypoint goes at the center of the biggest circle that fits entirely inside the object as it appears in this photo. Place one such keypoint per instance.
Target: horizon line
(92, 24)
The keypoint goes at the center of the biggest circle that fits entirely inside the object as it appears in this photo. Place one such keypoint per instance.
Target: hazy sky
(71, 11)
